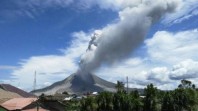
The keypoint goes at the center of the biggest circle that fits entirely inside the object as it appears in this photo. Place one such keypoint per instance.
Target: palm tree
(119, 86)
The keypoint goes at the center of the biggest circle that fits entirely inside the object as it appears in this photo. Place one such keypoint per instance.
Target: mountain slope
(6, 95)
(10, 88)
(78, 84)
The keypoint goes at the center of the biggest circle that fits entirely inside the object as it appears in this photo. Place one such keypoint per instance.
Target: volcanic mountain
(78, 84)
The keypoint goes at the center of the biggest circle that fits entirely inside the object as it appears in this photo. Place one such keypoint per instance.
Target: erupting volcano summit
(75, 83)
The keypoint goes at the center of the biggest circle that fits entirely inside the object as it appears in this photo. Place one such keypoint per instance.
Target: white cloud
(159, 75)
(109, 4)
(187, 16)
(50, 68)
(162, 77)
(187, 69)
(159, 66)
(174, 53)
(164, 48)
(177, 53)
(47, 83)
(187, 9)
(139, 75)
(134, 68)
(171, 48)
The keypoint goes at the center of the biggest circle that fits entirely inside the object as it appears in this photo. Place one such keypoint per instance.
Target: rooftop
(18, 103)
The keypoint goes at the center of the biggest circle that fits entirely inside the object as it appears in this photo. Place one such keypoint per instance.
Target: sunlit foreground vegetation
(183, 98)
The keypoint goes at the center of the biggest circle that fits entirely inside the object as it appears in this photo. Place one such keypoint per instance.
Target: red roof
(18, 103)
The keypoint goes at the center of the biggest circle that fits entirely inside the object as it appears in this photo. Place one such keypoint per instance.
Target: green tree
(136, 101)
(167, 102)
(119, 86)
(180, 99)
(185, 96)
(150, 100)
(88, 104)
(65, 92)
(117, 101)
(186, 84)
(192, 99)
(104, 101)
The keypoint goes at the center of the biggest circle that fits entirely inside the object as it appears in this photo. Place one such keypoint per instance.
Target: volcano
(78, 84)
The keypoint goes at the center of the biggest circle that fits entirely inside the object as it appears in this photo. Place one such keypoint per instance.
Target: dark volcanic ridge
(13, 89)
(78, 84)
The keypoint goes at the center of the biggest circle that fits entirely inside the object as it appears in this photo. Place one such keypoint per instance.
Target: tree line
(183, 98)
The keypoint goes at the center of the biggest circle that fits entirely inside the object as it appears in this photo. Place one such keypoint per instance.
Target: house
(94, 93)
(57, 96)
(68, 98)
(22, 104)
(53, 105)
(142, 96)
(32, 104)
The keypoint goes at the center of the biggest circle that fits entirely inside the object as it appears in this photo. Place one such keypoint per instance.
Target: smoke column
(117, 41)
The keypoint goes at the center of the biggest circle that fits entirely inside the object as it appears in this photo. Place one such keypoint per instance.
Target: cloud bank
(50, 68)
(186, 10)
(170, 57)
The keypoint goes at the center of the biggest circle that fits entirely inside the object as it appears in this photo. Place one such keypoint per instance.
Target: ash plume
(117, 41)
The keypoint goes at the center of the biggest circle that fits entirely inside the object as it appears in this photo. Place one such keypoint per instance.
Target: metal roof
(18, 103)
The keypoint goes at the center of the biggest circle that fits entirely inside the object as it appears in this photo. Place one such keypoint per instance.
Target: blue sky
(23, 36)
(50, 37)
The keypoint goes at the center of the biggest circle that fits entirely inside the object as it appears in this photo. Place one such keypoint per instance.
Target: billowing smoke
(119, 40)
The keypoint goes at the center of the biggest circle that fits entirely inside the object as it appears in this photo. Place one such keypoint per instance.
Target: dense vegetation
(184, 98)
